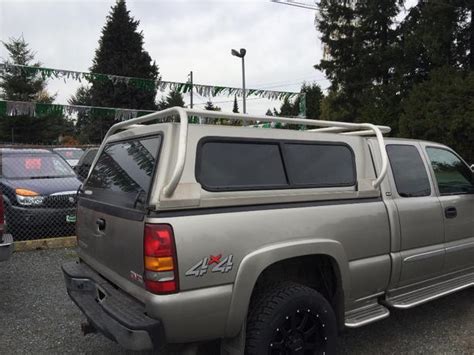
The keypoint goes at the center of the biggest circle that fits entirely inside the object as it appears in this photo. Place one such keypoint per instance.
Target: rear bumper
(6, 247)
(113, 313)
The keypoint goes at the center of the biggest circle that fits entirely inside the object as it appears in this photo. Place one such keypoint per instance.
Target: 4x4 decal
(214, 263)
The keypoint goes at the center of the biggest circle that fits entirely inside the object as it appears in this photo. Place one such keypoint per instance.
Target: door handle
(450, 212)
(100, 224)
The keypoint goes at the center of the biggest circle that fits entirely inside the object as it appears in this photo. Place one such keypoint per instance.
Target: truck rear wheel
(290, 318)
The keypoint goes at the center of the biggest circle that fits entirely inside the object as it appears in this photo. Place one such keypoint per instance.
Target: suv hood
(45, 186)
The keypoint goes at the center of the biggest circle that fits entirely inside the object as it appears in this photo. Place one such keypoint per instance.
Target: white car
(71, 155)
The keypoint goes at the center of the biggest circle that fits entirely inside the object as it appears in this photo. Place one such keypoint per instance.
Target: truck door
(455, 187)
(420, 214)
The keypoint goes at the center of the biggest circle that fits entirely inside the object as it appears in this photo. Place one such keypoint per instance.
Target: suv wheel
(290, 318)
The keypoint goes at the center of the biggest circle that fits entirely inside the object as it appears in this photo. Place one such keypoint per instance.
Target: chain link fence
(39, 186)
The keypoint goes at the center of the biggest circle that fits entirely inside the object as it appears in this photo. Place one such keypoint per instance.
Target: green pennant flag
(142, 83)
(96, 111)
(42, 109)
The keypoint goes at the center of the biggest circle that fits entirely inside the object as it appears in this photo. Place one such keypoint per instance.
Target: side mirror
(472, 168)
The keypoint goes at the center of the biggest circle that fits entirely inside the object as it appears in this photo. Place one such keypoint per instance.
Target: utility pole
(191, 92)
(191, 104)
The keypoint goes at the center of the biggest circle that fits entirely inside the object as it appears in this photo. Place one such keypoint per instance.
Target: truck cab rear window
(123, 172)
(409, 172)
(233, 165)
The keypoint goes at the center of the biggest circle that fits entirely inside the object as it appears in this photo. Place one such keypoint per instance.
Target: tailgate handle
(451, 212)
(100, 223)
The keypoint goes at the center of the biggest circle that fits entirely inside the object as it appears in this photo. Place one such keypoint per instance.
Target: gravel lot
(36, 316)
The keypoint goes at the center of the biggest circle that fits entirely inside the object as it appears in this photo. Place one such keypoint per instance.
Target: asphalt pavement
(36, 316)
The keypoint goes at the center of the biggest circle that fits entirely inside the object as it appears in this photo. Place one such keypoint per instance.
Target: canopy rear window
(123, 173)
(229, 164)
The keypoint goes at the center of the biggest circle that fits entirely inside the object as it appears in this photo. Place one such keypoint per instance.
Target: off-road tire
(276, 323)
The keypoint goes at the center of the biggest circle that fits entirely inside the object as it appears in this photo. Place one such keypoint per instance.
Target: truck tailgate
(112, 205)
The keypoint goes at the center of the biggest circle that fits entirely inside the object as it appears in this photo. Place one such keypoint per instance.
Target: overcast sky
(181, 35)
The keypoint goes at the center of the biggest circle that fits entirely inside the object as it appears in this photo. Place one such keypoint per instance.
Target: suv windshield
(70, 153)
(123, 172)
(34, 166)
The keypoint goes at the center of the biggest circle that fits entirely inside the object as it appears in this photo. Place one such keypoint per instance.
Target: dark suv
(39, 191)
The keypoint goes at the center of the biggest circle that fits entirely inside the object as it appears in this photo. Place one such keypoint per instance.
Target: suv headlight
(28, 198)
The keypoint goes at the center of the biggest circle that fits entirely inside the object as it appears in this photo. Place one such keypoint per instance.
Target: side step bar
(365, 315)
(425, 294)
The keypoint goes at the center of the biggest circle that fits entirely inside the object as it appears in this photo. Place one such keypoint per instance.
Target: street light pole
(241, 54)
(244, 93)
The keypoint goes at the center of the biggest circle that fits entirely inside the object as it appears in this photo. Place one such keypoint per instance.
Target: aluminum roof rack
(356, 129)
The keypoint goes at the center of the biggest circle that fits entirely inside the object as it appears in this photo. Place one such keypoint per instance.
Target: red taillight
(161, 287)
(161, 273)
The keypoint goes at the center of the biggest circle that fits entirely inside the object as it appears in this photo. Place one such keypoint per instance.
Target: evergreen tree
(440, 109)
(430, 39)
(468, 32)
(22, 86)
(82, 97)
(360, 52)
(28, 87)
(235, 109)
(313, 98)
(288, 108)
(174, 98)
(336, 23)
(210, 106)
(120, 52)
(377, 38)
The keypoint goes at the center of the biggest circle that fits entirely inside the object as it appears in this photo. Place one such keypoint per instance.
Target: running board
(365, 315)
(425, 294)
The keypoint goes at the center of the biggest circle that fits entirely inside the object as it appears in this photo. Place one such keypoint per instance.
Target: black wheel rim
(299, 333)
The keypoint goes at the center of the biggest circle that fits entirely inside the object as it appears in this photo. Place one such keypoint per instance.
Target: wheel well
(320, 272)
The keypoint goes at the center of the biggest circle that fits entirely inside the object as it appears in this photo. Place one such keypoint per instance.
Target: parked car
(6, 240)
(85, 162)
(271, 240)
(39, 190)
(71, 155)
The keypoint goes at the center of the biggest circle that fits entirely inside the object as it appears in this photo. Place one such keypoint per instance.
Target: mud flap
(235, 345)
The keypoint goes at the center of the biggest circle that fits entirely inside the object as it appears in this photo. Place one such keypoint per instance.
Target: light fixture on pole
(241, 54)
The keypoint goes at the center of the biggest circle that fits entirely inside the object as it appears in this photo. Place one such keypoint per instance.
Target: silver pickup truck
(271, 240)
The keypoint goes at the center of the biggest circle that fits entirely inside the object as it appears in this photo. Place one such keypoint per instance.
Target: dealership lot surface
(37, 316)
